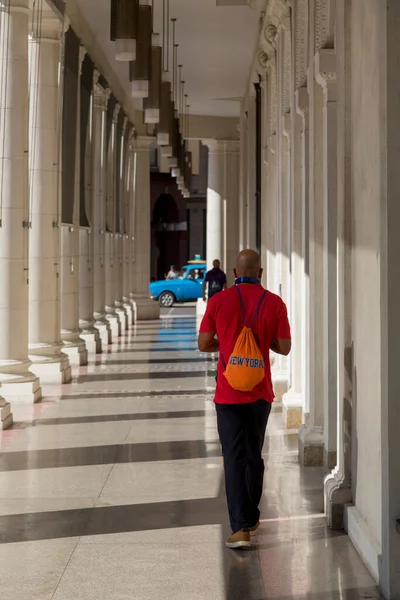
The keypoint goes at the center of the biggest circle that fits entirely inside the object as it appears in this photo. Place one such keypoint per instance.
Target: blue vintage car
(188, 286)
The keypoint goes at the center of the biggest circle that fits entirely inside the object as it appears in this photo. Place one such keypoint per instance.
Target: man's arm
(207, 342)
(281, 346)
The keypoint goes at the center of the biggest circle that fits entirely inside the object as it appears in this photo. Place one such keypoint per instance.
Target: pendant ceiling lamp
(152, 102)
(177, 170)
(187, 153)
(140, 69)
(124, 28)
(173, 161)
(164, 137)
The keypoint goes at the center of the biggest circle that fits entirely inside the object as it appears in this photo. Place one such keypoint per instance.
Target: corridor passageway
(112, 489)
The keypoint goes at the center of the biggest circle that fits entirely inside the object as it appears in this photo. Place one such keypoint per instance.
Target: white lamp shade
(166, 151)
(152, 115)
(140, 89)
(175, 172)
(163, 139)
(125, 50)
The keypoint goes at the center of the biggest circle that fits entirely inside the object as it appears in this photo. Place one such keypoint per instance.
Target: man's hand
(207, 342)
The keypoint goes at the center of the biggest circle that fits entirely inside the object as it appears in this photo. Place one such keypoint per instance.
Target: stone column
(326, 77)
(390, 322)
(48, 362)
(311, 440)
(293, 399)
(243, 176)
(74, 345)
(86, 320)
(18, 383)
(111, 258)
(338, 484)
(129, 228)
(124, 313)
(231, 207)
(216, 149)
(100, 100)
(145, 308)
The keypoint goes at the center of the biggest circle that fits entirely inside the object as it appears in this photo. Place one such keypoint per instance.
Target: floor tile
(162, 482)
(164, 568)
(32, 570)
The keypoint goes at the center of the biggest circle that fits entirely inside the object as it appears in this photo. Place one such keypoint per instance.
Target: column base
(6, 417)
(75, 347)
(123, 315)
(337, 494)
(330, 459)
(311, 446)
(115, 323)
(280, 382)
(91, 337)
(49, 363)
(18, 384)
(104, 329)
(292, 403)
(146, 309)
(129, 308)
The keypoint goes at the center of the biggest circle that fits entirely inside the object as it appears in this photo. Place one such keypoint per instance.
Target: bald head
(248, 264)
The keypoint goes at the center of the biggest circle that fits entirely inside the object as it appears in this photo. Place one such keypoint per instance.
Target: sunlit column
(74, 345)
(18, 383)
(145, 308)
(100, 100)
(45, 343)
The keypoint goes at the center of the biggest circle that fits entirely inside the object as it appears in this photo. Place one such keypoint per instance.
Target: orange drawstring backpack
(246, 365)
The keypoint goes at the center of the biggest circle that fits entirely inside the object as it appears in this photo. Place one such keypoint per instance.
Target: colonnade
(68, 286)
(330, 215)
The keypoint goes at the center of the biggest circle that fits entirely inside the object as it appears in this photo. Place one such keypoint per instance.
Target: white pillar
(390, 321)
(326, 77)
(145, 308)
(48, 362)
(18, 383)
(124, 312)
(86, 320)
(100, 100)
(231, 207)
(74, 345)
(216, 149)
(128, 228)
(243, 176)
(111, 236)
(311, 439)
(293, 399)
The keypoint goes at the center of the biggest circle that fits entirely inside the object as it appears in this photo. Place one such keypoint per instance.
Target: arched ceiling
(216, 45)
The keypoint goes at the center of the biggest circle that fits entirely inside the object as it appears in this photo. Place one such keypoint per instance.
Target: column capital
(116, 112)
(325, 71)
(50, 29)
(143, 143)
(302, 100)
(100, 95)
(222, 146)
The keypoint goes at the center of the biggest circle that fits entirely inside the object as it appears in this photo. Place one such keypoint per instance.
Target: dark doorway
(168, 236)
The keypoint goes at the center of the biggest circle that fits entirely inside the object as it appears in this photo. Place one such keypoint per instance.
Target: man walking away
(215, 280)
(248, 321)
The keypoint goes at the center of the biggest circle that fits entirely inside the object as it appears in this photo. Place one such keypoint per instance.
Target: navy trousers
(241, 429)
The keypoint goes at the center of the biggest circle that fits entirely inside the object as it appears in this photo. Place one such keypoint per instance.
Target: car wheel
(166, 300)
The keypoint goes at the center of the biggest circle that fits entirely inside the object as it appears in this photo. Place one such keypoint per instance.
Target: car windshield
(182, 273)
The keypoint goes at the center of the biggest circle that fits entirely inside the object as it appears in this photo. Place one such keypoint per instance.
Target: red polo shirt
(224, 318)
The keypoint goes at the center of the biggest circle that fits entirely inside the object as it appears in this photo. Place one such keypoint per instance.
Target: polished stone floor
(112, 489)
